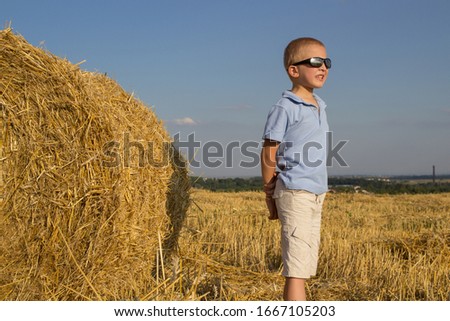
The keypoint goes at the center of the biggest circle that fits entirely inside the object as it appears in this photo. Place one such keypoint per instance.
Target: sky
(211, 70)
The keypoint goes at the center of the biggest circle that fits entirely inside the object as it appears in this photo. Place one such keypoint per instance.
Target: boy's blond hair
(294, 49)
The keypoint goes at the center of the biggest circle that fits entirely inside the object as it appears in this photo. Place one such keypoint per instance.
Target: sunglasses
(315, 62)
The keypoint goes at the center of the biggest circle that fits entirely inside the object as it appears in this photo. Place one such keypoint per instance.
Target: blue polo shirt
(301, 130)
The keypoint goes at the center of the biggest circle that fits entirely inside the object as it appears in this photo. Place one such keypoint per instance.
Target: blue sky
(214, 68)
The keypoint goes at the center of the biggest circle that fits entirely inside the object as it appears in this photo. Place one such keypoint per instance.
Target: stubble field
(374, 247)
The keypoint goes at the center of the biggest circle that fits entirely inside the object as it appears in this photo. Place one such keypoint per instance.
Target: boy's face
(307, 76)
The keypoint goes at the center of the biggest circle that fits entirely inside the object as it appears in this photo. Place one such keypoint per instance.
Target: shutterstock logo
(211, 154)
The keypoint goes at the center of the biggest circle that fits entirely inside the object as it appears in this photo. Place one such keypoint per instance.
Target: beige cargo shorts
(300, 214)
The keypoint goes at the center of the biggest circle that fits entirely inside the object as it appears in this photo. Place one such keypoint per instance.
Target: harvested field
(374, 247)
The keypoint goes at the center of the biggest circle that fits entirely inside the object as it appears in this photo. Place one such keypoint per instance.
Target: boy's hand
(273, 213)
(269, 188)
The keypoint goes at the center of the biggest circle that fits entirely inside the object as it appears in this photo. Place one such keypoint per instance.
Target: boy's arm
(268, 160)
(268, 166)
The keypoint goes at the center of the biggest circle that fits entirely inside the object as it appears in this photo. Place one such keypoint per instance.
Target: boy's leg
(315, 233)
(294, 289)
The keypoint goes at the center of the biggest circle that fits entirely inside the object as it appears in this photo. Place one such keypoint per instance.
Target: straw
(77, 222)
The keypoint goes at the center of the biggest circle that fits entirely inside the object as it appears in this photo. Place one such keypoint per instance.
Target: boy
(295, 142)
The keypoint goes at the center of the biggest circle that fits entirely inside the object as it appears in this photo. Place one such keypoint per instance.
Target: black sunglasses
(315, 62)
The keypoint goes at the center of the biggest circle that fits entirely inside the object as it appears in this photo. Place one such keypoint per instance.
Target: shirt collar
(296, 99)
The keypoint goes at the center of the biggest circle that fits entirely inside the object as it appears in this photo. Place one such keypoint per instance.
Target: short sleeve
(276, 124)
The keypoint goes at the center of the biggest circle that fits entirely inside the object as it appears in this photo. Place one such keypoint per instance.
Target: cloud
(186, 121)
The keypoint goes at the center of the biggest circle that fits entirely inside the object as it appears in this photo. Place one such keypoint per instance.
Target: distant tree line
(374, 185)
(228, 184)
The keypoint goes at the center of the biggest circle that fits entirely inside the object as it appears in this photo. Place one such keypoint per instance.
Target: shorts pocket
(293, 237)
(296, 253)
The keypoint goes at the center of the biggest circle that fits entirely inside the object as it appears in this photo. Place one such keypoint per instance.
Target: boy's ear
(293, 71)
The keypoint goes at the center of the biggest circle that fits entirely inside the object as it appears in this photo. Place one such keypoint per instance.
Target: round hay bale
(91, 187)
